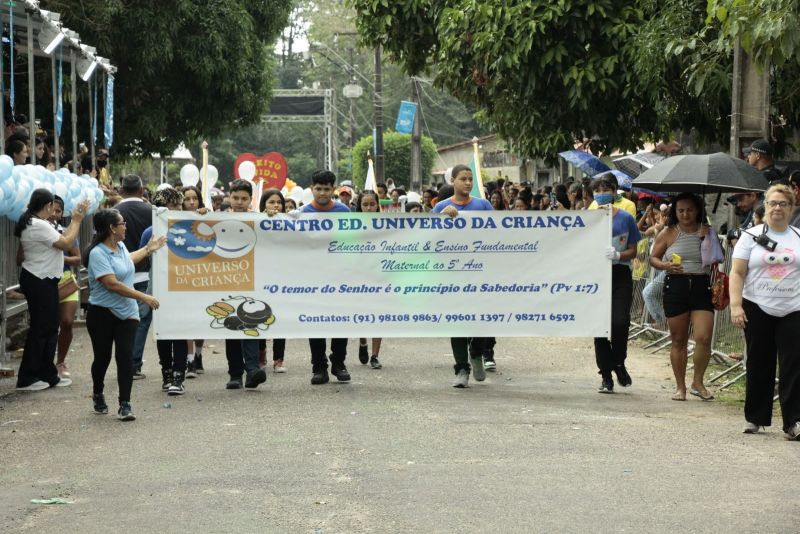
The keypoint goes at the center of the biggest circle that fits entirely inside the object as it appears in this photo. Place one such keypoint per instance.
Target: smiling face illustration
(234, 239)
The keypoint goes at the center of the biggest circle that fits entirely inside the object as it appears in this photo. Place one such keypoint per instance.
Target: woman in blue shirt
(113, 314)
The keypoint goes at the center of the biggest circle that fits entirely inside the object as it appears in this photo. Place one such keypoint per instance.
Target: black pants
(488, 348)
(106, 329)
(319, 361)
(278, 348)
(172, 354)
(465, 348)
(613, 352)
(40, 345)
(771, 340)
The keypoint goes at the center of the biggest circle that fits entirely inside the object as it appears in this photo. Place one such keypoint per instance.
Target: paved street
(532, 449)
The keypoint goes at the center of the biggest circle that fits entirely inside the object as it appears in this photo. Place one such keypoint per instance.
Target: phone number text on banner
(246, 275)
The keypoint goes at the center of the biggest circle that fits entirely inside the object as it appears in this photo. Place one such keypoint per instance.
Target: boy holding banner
(465, 349)
(242, 354)
(322, 185)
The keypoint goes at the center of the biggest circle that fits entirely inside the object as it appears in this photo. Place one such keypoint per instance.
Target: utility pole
(750, 101)
(352, 119)
(378, 105)
(416, 134)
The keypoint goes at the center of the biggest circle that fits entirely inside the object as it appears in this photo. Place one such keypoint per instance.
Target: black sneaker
(138, 374)
(375, 363)
(320, 377)
(340, 372)
(607, 384)
(234, 383)
(363, 354)
(166, 379)
(191, 370)
(100, 405)
(623, 378)
(125, 412)
(198, 364)
(254, 378)
(177, 387)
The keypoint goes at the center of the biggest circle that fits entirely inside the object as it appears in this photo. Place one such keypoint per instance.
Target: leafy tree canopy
(547, 72)
(187, 69)
(397, 153)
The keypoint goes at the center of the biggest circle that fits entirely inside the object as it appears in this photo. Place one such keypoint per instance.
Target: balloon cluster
(18, 182)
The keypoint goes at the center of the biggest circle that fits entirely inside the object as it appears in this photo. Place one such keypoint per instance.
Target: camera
(733, 234)
(764, 241)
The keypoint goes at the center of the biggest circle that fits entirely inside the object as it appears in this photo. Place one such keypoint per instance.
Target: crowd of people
(763, 290)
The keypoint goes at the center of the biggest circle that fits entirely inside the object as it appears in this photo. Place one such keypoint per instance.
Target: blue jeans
(652, 296)
(242, 355)
(145, 318)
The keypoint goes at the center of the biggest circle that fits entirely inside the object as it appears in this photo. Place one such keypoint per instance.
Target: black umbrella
(707, 173)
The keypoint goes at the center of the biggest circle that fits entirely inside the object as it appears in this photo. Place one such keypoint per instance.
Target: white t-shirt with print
(773, 277)
(41, 259)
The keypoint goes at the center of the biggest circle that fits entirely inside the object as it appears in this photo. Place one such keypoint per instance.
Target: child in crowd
(465, 350)
(368, 202)
(272, 203)
(172, 353)
(322, 185)
(242, 354)
(193, 201)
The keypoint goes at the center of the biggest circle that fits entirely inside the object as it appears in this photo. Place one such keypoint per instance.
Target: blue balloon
(6, 166)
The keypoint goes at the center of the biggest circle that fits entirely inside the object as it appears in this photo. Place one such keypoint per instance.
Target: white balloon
(296, 193)
(61, 190)
(448, 175)
(247, 170)
(94, 182)
(190, 175)
(307, 196)
(413, 196)
(284, 191)
(212, 174)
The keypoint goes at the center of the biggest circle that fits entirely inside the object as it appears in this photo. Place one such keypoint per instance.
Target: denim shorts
(687, 292)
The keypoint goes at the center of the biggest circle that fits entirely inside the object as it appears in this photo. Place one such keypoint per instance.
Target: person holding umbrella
(687, 291)
(765, 302)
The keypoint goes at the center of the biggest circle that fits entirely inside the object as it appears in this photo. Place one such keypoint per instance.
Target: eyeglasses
(776, 203)
(123, 223)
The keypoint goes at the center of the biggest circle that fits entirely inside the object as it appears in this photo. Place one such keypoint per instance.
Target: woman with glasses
(113, 315)
(765, 302)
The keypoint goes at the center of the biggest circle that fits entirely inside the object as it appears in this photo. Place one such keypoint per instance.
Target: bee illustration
(251, 316)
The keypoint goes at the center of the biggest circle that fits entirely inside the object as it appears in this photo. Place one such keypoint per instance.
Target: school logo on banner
(211, 255)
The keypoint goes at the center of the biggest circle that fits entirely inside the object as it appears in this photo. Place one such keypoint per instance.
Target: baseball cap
(761, 146)
(345, 190)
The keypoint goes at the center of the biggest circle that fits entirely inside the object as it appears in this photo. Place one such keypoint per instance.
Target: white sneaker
(462, 379)
(477, 368)
(39, 385)
(490, 366)
(794, 432)
(751, 428)
(63, 382)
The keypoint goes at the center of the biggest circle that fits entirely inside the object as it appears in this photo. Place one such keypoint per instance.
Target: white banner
(504, 274)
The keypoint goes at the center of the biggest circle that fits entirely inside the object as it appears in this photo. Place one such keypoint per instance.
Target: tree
(545, 73)
(187, 69)
(397, 151)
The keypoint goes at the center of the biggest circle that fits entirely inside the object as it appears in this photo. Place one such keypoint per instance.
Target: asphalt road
(533, 449)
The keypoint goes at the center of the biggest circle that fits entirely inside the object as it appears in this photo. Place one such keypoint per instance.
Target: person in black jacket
(138, 216)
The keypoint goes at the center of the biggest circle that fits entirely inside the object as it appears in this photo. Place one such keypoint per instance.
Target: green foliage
(768, 29)
(187, 70)
(299, 143)
(547, 72)
(397, 154)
